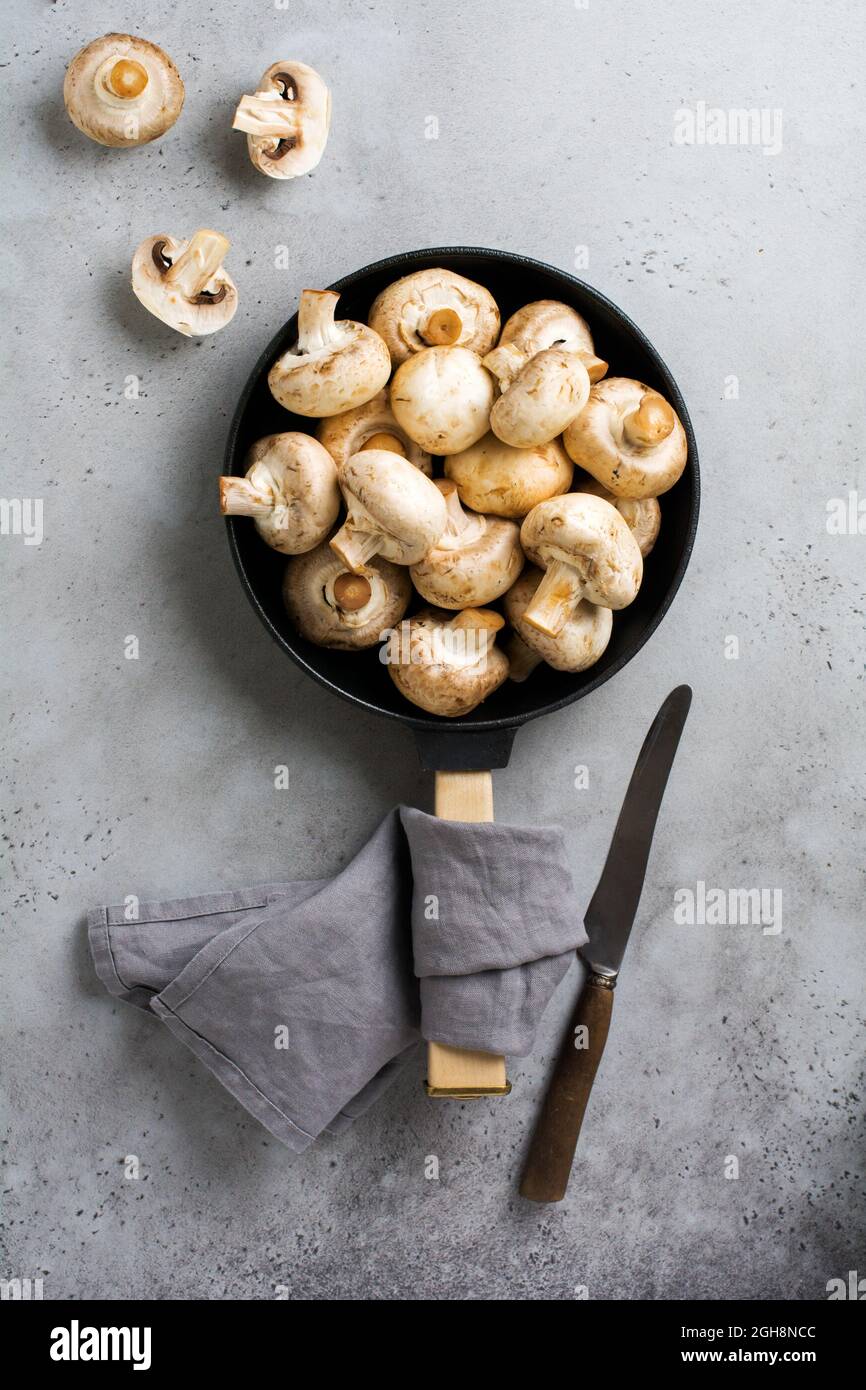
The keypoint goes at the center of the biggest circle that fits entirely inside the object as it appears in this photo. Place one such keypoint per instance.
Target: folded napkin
(306, 998)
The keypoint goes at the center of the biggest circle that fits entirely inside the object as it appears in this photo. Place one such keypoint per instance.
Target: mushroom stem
(238, 497)
(355, 546)
(267, 114)
(198, 264)
(522, 660)
(127, 79)
(352, 592)
(470, 635)
(389, 442)
(557, 595)
(596, 367)
(316, 326)
(505, 362)
(650, 423)
(443, 327)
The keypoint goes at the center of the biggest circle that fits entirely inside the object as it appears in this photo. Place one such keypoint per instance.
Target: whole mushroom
(543, 324)
(287, 121)
(122, 91)
(333, 607)
(578, 645)
(290, 490)
(442, 398)
(474, 561)
(642, 515)
(445, 664)
(335, 364)
(499, 480)
(542, 398)
(370, 426)
(588, 552)
(393, 510)
(434, 308)
(629, 438)
(184, 283)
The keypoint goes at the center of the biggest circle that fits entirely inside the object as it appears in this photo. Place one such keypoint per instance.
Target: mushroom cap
(500, 480)
(442, 398)
(401, 313)
(289, 139)
(194, 317)
(312, 600)
(387, 495)
(582, 640)
(599, 440)
(443, 671)
(299, 477)
(545, 323)
(642, 515)
(102, 96)
(545, 396)
(345, 371)
(347, 434)
(458, 574)
(590, 536)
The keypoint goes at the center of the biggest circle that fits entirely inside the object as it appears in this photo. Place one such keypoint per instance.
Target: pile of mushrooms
(441, 481)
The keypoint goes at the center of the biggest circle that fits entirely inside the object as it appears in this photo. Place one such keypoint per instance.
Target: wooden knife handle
(454, 1072)
(551, 1153)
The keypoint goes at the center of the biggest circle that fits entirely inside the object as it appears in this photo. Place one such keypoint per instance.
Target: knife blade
(608, 921)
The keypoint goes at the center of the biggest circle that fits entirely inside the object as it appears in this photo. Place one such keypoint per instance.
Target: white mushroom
(334, 366)
(333, 607)
(370, 426)
(629, 438)
(122, 91)
(433, 308)
(474, 561)
(545, 323)
(290, 490)
(442, 397)
(588, 552)
(494, 478)
(642, 515)
(579, 644)
(447, 665)
(287, 121)
(546, 394)
(393, 510)
(184, 283)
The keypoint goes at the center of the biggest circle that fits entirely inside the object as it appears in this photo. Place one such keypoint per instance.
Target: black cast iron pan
(480, 740)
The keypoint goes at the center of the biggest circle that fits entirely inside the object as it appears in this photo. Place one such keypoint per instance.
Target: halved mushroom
(434, 308)
(184, 283)
(642, 515)
(122, 91)
(629, 438)
(447, 665)
(494, 478)
(442, 397)
(333, 607)
(474, 561)
(287, 121)
(393, 510)
(545, 323)
(588, 552)
(578, 645)
(546, 394)
(370, 426)
(290, 490)
(334, 366)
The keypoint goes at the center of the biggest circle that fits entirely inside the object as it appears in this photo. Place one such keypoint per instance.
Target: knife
(608, 922)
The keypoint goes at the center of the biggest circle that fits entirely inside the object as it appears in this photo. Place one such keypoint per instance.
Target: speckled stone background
(155, 776)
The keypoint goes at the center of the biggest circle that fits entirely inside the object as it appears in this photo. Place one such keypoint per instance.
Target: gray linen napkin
(304, 998)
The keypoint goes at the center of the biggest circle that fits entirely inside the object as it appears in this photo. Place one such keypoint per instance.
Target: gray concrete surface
(155, 776)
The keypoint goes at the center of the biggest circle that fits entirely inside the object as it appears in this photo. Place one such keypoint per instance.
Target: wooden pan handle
(551, 1153)
(452, 1071)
